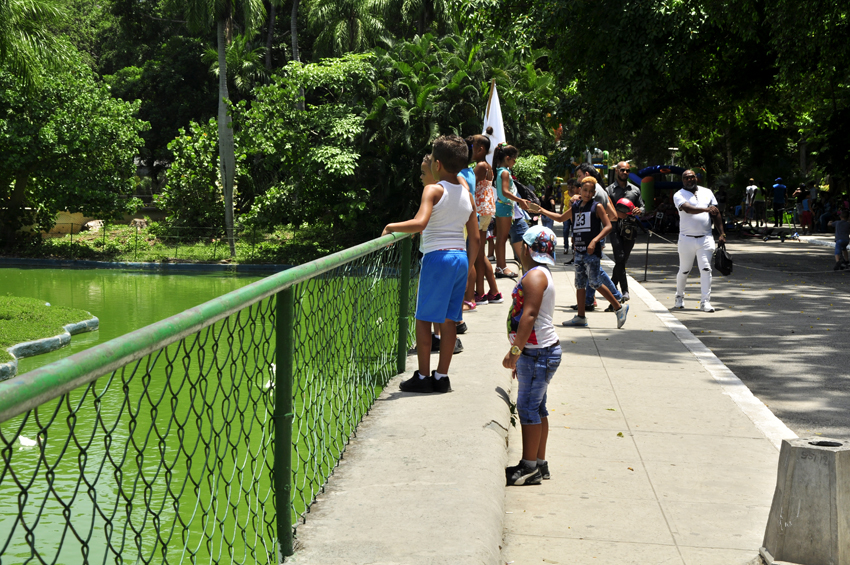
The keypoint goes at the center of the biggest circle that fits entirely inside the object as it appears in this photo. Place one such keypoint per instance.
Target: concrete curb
(171, 267)
(45, 345)
(767, 423)
(817, 241)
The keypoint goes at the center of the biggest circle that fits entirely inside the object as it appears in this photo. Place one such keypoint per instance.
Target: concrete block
(809, 521)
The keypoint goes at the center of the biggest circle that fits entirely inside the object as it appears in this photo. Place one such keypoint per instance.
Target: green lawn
(28, 319)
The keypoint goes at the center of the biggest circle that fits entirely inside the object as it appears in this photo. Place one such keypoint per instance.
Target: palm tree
(200, 16)
(244, 62)
(27, 43)
(425, 13)
(345, 26)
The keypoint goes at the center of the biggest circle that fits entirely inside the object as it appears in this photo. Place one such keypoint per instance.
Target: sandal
(504, 273)
(469, 306)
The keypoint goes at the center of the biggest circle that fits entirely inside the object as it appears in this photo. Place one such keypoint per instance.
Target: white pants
(703, 249)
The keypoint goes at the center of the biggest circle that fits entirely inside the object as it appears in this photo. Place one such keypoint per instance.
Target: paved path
(781, 325)
(658, 455)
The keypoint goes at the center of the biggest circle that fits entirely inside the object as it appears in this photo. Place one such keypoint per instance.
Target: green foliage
(193, 195)
(346, 26)
(174, 88)
(28, 45)
(67, 146)
(530, 169)
(29, 319)
(306, 159)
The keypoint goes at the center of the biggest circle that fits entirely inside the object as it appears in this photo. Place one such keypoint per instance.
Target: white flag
(493, 119)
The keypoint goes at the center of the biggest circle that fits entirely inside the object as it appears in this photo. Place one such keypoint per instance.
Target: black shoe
(461, 328)
(520, 475)
(838, 267)
(610, 308)
(544, 470)
(589, 307)
(570, 262)
(416, 384)
(435, 344)
(442, 385)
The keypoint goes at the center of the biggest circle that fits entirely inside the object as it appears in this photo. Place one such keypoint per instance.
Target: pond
(123, 301)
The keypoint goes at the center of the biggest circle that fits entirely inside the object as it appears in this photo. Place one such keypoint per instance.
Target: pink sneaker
(494, 298)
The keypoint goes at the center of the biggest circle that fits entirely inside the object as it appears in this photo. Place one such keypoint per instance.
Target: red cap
(625, 206)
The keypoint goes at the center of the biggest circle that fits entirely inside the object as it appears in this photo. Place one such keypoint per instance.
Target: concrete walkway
(658, 454)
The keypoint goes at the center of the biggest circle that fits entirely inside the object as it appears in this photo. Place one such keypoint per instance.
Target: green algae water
(123, 301)
(177, 470)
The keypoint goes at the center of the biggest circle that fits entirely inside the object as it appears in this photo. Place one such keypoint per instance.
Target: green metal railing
(204, 438)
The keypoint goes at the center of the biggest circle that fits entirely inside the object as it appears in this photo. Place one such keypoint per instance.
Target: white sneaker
(680, 303)
(706, 307)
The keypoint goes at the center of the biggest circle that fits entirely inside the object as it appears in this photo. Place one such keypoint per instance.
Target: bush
(529, 170)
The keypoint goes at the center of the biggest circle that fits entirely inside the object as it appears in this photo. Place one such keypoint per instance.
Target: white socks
(438, 376)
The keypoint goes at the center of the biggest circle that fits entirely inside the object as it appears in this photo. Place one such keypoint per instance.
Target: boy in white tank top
(535, 352)
(445, 209)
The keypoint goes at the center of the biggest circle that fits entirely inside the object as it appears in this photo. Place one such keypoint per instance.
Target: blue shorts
(588, 271)
(534, 369)
(518, 229)
(504, 210)
(442, 282)
(840, 246)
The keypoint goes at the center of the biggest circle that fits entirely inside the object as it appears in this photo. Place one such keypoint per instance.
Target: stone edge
(83, 263)
(44, 345)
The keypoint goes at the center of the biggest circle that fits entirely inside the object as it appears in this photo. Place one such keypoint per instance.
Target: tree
(67, 146)
(346, 26)
(27, 44)
(201, 15)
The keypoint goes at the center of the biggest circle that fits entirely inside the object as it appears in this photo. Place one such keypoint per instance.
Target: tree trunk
(270, 38)
(12, 218)
(226, 150)
(296, 56)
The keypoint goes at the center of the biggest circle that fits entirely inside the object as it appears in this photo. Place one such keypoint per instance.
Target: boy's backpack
(527, 192)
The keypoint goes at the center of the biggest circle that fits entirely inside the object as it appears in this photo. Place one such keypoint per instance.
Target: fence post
(136, 252)
(404, 303)
(285, 357)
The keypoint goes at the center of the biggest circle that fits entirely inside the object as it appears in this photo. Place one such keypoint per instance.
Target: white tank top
(543, 334)
(448, 218)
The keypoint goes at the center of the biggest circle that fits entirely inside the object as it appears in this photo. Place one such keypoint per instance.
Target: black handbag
(722, 260)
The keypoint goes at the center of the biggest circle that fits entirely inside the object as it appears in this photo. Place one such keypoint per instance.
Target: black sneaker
(610, 308)
(461, 328)
(442, 385)
(544, 470)
(416, 384)
(435, 343)
(458, 346)
(520, 475)
(589, 307)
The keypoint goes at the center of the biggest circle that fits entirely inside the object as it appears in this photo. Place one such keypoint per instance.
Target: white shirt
(694, 224)
(751, 194)
(448, 217)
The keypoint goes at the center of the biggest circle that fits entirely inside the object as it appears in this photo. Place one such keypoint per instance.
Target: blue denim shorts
(534, 369)
(518, 229)
(587, 271)
(840, 246)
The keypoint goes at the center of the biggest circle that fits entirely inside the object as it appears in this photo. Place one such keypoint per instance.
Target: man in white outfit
(697, 210)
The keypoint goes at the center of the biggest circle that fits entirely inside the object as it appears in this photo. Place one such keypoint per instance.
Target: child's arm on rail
(431, 194)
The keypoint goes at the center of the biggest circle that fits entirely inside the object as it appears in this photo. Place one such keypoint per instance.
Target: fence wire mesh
(170, 459)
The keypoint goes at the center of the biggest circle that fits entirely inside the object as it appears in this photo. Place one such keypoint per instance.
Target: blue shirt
(779, 191)
(469, 176)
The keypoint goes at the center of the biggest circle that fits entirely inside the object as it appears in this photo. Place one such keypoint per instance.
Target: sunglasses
(624, 170)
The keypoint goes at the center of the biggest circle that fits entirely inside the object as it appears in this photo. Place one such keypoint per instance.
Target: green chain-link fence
(204, 438)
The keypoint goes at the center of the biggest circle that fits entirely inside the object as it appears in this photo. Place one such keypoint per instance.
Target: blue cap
(541, 243)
